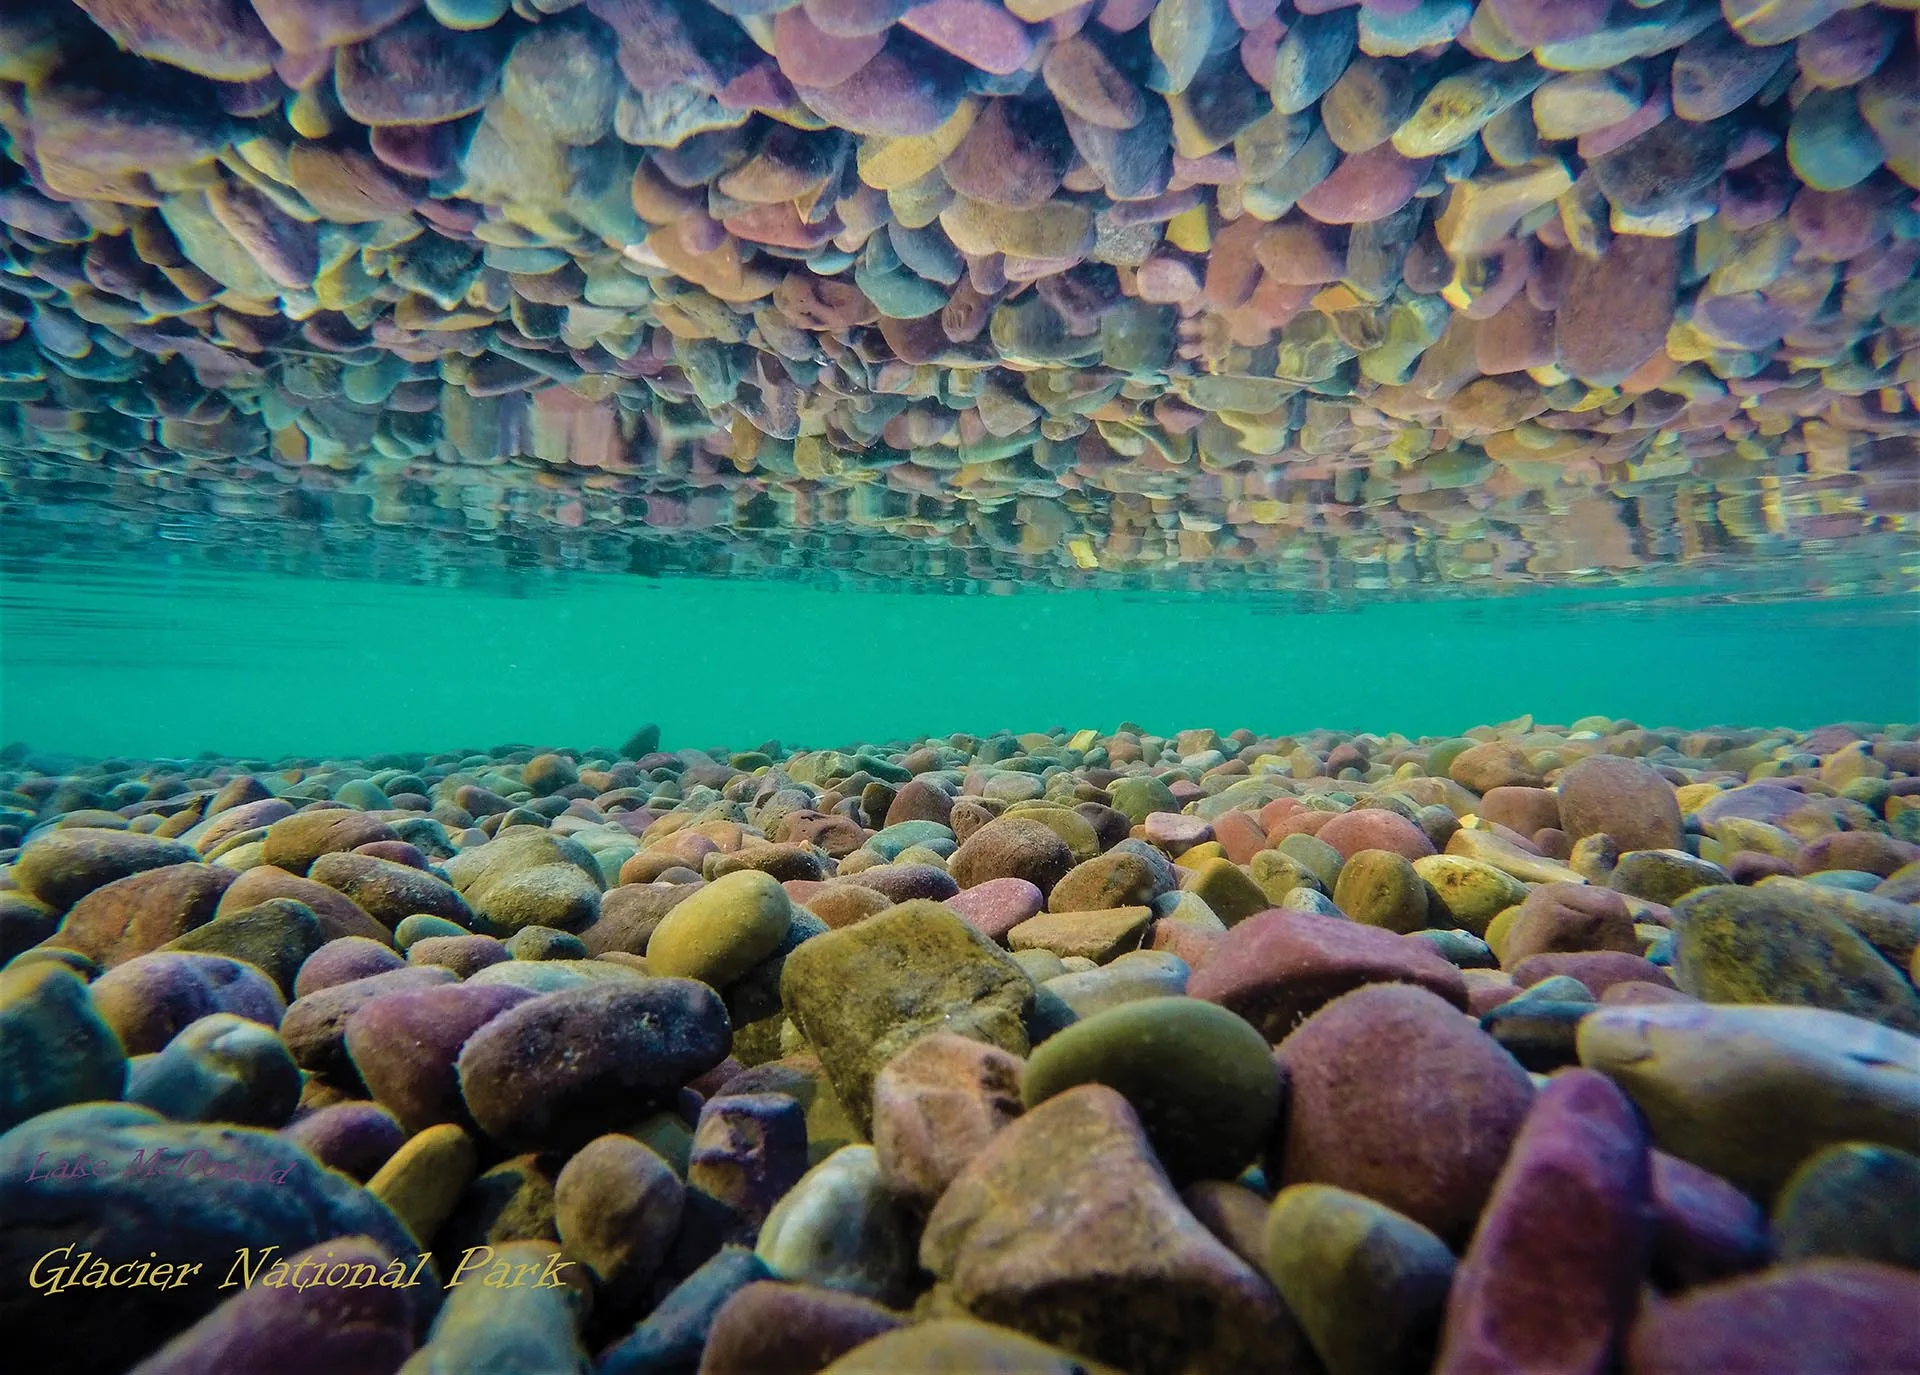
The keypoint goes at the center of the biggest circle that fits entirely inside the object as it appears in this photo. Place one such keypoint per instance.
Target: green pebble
(1853, 1201)
(1200, 1077)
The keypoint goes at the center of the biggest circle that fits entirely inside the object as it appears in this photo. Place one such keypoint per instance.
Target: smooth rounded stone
(1567, 917)
(1374, 828)
(1310, 59)
(1573, 1200)
(315, 1024)
(630, 914)
(1365, 187)
(1830, 146)
(1613, 316)
(998, 905)
(423, 927)
(569, 1065)
(840, 1228)
(1226, 890)
(905, 881)
(553, 976)
(617, 1206)
(404, 1046)
(781, 862)
(1012, 847)
(1113, 1225)
(423, 1181)
(934, 1106)
(723, 930)
(1371, 99)
(770, 1325)
(221, 1068)
(1540, 1030)
(306, 1328)
(862, 994)
(1716, 72)
(55, 1048)
(1522, 809)
(1381, 1056)
(1624, 798)
(1493, 764)
(293, 843)
(544, 943)
(1532, 23)
(1201, 1080)
(1599, 970)
(1704, 1228)
(142, 912)
(339, 915)
(63, 865)
(946, 1346)
(1380, 888)
(1892, 928)
(1851, 1202)
(1176, 832)
(277, 937)
(1663, 876)
(1461, 949)
(489, 1322)
(1462, 104)
(1139, 797)
(1125, 979)
(521, 878)
(1865, 851)
(674, 1335)
(909, 89)
(1749, 1092)
(563, 78)
(1821, 1315)
(1758, 945)
(25, 923)
(464, 955)
(148, 1000)
(353, 1138)
(342, 961)
(1279, 968)
(1088, 85)
(1277, 874)
(1320, 859)
(1368, 1284)
(214, 1191)
(390, 892)
(1096, 936)
(1471, 892)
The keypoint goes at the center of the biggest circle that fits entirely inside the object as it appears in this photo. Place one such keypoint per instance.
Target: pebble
(1573, 1198)
(575, 1063)
(1082, 1161)
(839, 1228)
(221, 1068)
(1369, 1285)
(1199, 1077)
(1735, 945)
(1701, 1073)
(862, 994)
(1846, 1315)
(1851, 1202)
(230, 1201)
(55, 1047)
(1348, 1095)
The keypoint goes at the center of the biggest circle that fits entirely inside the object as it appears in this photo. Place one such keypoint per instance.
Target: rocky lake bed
(1548, 1047)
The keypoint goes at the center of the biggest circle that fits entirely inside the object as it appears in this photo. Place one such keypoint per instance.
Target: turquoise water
(158, 660)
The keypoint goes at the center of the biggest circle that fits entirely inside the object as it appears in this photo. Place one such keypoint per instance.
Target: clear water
(148, 659)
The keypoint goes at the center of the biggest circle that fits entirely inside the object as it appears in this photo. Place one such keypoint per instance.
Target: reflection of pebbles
(902, 276)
